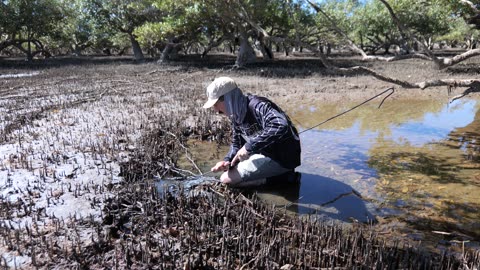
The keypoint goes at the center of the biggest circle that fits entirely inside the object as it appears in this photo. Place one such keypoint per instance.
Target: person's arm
(235, 145)
(275, 127)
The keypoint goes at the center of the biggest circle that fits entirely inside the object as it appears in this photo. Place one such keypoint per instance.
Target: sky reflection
(435, 126)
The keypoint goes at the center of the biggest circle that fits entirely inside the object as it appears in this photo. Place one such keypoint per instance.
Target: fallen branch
(404, 31)
(447, 62)
(474, 87)
(439, 62)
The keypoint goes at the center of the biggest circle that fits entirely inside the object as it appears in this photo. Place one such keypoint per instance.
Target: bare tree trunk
(246, 54)
(29, 51)
(169, 52)
(286, 48)
(212, 44)
(76, 50)
(471, 43)
(166, 53)
(137, 51)
(266, 51)
(29, 48)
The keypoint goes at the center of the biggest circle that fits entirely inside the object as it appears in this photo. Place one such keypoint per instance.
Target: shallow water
(416, 161)
(413, 166)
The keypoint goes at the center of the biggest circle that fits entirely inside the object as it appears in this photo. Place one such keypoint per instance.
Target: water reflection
(420, 157)
(323, 196)
(413, 162)
(435, 126)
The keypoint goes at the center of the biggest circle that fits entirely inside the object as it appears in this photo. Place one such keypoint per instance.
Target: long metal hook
(391, 89)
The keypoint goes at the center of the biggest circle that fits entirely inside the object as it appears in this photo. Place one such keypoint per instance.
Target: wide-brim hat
(219, 87)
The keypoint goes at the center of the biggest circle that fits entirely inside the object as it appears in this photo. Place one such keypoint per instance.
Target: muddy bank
(79, 146)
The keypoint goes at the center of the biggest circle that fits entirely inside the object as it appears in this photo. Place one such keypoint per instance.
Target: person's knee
(230, 177)
(225, 179)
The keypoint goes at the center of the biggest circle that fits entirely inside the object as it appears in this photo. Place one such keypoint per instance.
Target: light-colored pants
(256, 169)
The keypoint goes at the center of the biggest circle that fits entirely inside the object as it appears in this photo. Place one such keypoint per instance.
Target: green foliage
(340, 14)
(111, 23)
(427, 20)
(37, 18)
(29, 20)
(122, 15)
(459, 32)
(373, 26)
(78, 29)
(7, 24)
(460, 9)
(178, 20)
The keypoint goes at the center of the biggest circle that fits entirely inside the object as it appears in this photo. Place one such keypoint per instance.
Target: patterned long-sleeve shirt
(266, 130)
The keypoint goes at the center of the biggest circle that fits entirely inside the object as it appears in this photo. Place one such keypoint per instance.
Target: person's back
(265, 144)
(281, 144)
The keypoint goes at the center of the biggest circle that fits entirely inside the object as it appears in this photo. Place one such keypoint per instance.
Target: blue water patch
(346, 148)
(435, 126)
(343, 154)
(349, 147)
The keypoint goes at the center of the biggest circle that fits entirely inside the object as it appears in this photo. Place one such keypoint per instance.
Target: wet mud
(81, 142)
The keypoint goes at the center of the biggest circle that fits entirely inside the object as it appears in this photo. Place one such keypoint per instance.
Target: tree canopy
(200, 25)
(376, 30)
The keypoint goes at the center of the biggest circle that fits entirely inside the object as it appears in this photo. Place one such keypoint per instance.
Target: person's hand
(241, 155)
(220, 166)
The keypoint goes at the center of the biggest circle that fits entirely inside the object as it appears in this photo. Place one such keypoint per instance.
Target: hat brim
(210, 103)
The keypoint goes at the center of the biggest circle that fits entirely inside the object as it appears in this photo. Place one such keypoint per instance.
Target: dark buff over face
(219, 107)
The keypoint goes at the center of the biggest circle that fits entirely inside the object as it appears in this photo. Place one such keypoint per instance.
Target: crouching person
(265, 144)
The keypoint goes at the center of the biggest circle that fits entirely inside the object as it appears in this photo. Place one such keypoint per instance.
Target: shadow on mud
(60, 61)
(465, 68)
(292, 67)
(326, 197)
(447, 223)
(437, 168)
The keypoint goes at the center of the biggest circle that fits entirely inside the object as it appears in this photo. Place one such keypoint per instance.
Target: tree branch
(358, 50)
(474, 87)
(364, 70)
(403, 30)
(441, 63)
(470, 4)
(352, 45)
(449, 82)
(422, 85)
(398, 57)
(473, 84)
(447, 62)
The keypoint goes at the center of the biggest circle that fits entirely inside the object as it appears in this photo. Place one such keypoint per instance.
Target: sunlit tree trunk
(137, 51)
(246, 54)
(266, 51)
(169, 52)
(29, 47)
(29, 51)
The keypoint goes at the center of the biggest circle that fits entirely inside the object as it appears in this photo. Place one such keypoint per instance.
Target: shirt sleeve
(235, 145)
(275, 127)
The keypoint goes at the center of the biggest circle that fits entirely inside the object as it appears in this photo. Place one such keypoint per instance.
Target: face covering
(236, 105)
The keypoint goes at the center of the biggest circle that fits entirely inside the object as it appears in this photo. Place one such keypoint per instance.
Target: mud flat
(80, 144)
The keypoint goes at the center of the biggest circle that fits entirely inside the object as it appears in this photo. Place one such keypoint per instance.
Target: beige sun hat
(219, 87)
